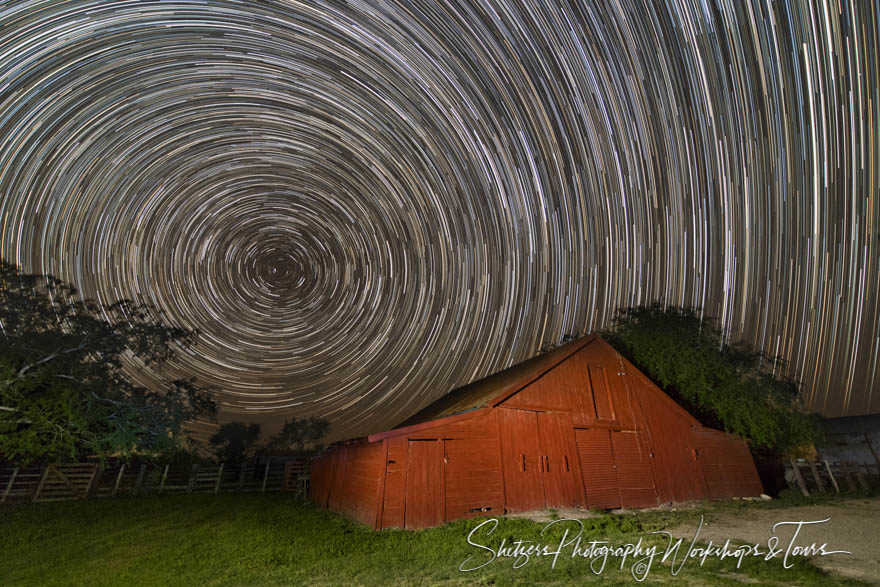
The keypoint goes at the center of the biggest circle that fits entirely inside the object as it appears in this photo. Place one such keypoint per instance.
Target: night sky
(362, 205)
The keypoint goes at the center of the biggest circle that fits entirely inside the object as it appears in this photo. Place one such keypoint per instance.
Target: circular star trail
(361, 205)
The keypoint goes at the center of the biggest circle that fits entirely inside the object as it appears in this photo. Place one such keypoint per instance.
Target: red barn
(575, 427)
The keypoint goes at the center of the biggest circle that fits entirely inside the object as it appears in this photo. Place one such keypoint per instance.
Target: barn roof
(494, 388)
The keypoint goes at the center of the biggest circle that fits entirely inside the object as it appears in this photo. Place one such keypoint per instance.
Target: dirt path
(854, 526)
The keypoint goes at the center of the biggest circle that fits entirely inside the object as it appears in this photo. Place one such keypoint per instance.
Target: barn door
(523, 486)
(562, 481)
(424, 484)
(598, 468)
(634, 475)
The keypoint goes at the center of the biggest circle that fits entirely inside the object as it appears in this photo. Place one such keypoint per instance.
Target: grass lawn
(267, 539)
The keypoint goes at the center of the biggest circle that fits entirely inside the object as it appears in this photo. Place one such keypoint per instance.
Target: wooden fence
(69, 481)
(824, 477)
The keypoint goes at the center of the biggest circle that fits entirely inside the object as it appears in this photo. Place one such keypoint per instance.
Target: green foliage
(723, 385)
(64, 394)
(236, 442)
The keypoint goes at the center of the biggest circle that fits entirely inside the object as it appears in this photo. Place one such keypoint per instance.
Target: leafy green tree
(297, 434)
(236, 442)
(64, 393)
(723, 385)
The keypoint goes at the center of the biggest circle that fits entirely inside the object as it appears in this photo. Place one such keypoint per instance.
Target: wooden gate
(63, 482)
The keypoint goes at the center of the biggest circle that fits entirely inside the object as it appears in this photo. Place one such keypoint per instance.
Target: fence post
(266, 474)
(816, 477)
(9, 485)
(241, 477)
(800, 480)
(833, 480)
(219, 477)
(193, 475)
(164, 476)
(42, 481)
(118, 479)
(849, 478)
(861, 478)
(303, 481)
(140, 479)
(94, 480)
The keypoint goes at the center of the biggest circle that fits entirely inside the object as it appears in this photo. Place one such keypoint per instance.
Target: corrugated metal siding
(727, 464)
(563, 485)
(676, 471)
(523, 486)
(598, 468)
(635, 477)
(563, 388)
(601, 393)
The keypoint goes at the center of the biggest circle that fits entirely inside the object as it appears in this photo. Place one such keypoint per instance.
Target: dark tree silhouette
(63, 390)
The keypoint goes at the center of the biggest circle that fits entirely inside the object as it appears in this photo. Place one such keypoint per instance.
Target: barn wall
(676, 470)
(727, 464)
(588, 385)
(472, 469)
(591, 431)
(319, 481)
(337, 479)
(360, 487)
(463, 467)
(347, 480)
(393, 500)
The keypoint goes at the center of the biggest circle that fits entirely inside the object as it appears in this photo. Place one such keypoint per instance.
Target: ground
(271, 539)
(853, 525)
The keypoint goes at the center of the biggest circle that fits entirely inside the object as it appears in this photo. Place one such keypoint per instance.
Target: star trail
(362, 205)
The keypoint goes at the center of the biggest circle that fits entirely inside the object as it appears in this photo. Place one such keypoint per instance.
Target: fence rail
(70, 481)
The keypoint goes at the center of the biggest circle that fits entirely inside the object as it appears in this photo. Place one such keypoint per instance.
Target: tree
(64, 393)
(723, 385)
(299, 434)
(236, 442)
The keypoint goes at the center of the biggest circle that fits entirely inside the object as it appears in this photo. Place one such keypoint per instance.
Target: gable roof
(491, 390)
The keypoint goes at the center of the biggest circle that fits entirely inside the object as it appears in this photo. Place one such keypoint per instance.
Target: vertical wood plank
(118, 479)
(380, 505)
(816, 477)
(193, 475)
(797, 475)
(219, 477)
(164, 477)
(848, 476)
(9, 485)
(831, 475)
(91, 485)
(266, 474)
(42, 482)
(140, 479)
